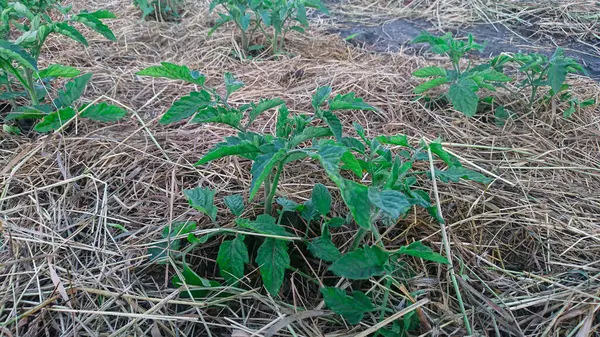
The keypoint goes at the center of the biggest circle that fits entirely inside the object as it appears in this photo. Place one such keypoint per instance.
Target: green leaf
(283, 127)
(262, 167)
(263, 106)
(158, 252)
(231, 117)
(273, 258)
(334, 124)
(330, 156)
(557, 74)
(264, 224)
(501, 115)
(70, 32)
(361, 264)
(231, 258)
(320, 96)
(454, 174)
(355, 196)
(417, 249)
(400, 140)
(103, 14)
(436, 82)
(11, 130)
(174, 72)
(58, 71)
(203, 200)
(397, 169)
(12, 51)
(432, 71)
(450, 160)
(287, 204)
(352, 164)
(33, 112)
(186, 106)
(103, 112)
(301, 14)
(223, 19)
(324, 249)
(349, 102)
(224, 150)
(309, 133)
(95, 24)
(336, 222)
(391, 202)
(298, 29)
(232, 84)
(73, 90)
(352, 308)
(321, 199)
(190, 278)
(463, 97)
(55, 120)
(493, 75)
(309, 212)
(235, 203)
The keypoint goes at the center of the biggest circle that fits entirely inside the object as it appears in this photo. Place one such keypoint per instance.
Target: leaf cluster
(272, 18)
(376, 179)
(464, 84)
(24, 85)
(543, 71)
(161, 10)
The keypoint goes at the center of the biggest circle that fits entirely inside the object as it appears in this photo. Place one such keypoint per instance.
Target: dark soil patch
(396, 34)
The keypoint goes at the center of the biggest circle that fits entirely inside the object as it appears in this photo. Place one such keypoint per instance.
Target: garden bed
(79, 209)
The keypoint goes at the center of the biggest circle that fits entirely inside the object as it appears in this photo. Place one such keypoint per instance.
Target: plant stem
(273, 188)
(244, 41)
(275, 41)
(360, 235)
(31, 89)
(446, 243)
(386, 294)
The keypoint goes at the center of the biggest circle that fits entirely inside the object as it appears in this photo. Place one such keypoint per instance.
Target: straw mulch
(572, 20)
(527, 247)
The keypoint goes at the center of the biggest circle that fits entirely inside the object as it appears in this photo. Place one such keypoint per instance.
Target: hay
(528, 246)
(578, 20)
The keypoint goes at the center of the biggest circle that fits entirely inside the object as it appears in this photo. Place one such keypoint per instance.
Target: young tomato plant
(463, 83)
(24, 85)
(161, 10)
(273, 18)
(374, 176)
(541, 71)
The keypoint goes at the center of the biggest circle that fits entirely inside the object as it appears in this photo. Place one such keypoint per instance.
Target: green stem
(386, 294)
(31, 90)
(267, 184)
(275, 41)
(273, 188)
(360, 235)
(244, 41)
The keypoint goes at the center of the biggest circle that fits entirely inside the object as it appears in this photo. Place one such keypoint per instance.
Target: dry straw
(526, 248)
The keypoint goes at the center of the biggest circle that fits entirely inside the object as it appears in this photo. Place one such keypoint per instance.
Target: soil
(396, 34)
